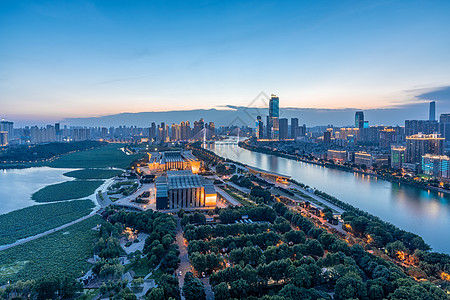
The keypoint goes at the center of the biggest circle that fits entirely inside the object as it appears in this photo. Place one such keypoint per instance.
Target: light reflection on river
(426, 213)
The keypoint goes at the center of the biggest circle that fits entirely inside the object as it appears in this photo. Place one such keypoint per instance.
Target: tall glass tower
(274, 114)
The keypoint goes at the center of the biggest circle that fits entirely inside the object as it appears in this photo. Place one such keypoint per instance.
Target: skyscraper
(259, 128)
(283, 131)
(274, 114)
(294, 128)
(359, 119)
(432, 115)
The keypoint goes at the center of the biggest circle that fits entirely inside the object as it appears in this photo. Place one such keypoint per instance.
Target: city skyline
(81, 59)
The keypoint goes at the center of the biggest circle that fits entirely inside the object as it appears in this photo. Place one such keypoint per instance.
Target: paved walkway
(31, 238)
(102, 188)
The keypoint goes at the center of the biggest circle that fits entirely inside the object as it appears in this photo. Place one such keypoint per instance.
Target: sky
(68, 59)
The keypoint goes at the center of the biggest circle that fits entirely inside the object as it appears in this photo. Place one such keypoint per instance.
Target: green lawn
(104, 157)
(67, 190)
(63, 252)
(35, 219)
(93, 174)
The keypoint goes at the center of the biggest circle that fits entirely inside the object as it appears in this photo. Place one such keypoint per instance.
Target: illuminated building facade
(274, 114)
(184, 190)
(435, 165)
(397, 157)
(173, 160)
(337, 155)
(420, 144)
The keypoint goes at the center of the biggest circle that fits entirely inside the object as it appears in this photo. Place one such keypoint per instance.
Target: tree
(156, 294)
(295, 236)
(313, 247)
(239, 288)
(221, 291)
(350, 286)
(193, 288)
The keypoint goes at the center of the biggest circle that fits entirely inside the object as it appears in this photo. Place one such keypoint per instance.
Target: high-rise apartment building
(421, 126)
(8, 127)
(274, 114)
(420, 144)
(3, 138)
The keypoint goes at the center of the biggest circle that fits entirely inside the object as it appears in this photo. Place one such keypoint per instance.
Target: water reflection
(424, 212)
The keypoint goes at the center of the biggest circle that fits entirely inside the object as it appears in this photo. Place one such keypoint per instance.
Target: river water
(426, 213)
(17, 185)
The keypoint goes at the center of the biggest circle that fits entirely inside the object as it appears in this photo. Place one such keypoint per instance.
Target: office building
(420, 144)
(435, 165)
(432, 115)
(283, 129)
(397, 157)
(274, 114)
(184, 190)
(359, 119)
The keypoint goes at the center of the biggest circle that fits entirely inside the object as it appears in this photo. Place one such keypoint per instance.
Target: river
(426, 213)
(17, 185)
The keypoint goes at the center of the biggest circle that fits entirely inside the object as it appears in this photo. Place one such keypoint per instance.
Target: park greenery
(23, 154)
(93, 173)
(67, 190)
(36, 219)
(283, 255)
(110, 155)
(159, 249)
(63, 252)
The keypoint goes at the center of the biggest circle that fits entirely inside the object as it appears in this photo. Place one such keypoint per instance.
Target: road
(184, 266)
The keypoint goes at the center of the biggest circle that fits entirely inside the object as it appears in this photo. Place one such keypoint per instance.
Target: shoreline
(330, 166)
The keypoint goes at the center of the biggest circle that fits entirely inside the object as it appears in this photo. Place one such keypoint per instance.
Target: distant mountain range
(241, 116)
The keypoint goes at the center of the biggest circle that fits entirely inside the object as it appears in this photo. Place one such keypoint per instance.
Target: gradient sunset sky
(63, 59)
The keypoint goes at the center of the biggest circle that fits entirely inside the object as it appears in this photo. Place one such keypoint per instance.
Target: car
(179, 273)
(203, 274)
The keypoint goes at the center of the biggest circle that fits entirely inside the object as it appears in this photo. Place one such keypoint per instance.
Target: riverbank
(341, 168)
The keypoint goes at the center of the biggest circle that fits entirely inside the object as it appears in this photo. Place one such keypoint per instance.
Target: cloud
(440, 94)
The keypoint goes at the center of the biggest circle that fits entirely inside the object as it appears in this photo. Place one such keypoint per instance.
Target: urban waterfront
(426, 213)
